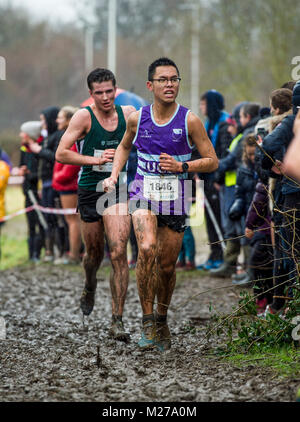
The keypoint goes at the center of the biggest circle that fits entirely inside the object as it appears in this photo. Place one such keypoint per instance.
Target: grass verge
(282, 361)
(14, 252)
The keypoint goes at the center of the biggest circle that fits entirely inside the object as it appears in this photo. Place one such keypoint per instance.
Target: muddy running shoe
(163, 337)
(147, 340)
(117, 331)
(87, 301)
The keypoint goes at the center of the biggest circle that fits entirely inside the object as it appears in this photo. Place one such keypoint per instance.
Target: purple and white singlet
(167, 193)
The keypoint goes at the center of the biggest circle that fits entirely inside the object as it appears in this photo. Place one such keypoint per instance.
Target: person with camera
(286, 196)
(248, 118)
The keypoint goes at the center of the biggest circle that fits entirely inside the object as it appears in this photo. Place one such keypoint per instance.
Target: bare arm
(198, 136)
(123, 151)
(78, 127)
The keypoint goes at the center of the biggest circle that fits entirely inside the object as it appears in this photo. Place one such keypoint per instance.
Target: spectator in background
(258, 231)
(274, 147)
(6, 159)
(186, 258)
(212, 106)
(225, 180)
(247, 178)
(292, 158)
(4, 175)
(29, 170)
(289, 85)
(248, 117)
(65, 183)
(46, 153)
(280, 106)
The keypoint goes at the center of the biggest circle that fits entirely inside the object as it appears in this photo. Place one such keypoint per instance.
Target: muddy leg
(145, 228)
(117, 229)
(169, 245)
(93, 236)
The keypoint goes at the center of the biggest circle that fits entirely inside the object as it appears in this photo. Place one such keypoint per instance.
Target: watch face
(185, 166)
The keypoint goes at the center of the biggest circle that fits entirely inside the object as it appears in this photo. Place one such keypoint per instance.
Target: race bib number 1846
(161, 188)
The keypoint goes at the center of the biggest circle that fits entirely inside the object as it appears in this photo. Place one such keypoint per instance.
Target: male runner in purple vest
(164, 135)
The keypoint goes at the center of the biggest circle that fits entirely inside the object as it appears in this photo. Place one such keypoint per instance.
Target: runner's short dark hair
(100, 75)
(162, 61)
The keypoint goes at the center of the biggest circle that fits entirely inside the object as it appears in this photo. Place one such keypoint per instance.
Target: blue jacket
(275, 145)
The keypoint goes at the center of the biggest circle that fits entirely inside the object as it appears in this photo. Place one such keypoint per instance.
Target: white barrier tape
(66, 211)
(15, 214)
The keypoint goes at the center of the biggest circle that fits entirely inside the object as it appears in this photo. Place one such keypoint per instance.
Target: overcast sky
(52, 10)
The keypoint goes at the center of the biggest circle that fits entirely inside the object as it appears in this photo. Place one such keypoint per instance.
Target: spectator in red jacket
(65, 182)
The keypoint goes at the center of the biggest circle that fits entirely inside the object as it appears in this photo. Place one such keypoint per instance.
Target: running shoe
(117, 331)
(147, 340)
(163, 337)
(87, 301)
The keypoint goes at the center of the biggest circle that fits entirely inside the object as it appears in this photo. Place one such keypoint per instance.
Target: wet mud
(50, 355)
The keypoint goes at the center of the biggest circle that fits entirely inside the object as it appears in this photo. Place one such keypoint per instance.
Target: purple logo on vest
(177, 135)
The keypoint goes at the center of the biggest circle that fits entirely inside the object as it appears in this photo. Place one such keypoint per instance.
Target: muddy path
(48, 355)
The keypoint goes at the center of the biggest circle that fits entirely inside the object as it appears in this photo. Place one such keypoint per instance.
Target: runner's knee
(117, 254)
(93, 256)
(147, 251)
(166, 270)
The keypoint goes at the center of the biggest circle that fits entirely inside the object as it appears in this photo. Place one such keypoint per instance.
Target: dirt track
(49, 356)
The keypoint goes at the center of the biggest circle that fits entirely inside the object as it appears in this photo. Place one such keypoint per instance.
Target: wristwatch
(185, 167)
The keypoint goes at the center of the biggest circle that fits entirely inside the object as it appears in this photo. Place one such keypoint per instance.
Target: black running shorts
(174, 222)
(91, 204)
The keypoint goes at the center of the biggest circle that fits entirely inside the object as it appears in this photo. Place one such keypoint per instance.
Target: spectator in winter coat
(46, 153)
(65, 183)
(292, 158)
(281, 106)
(258, 231)
(244, 191)
(31, 131)
(4, 175)
(248, 118)
(6, 159)
(212, 106)
(274, 147)
(225, 179)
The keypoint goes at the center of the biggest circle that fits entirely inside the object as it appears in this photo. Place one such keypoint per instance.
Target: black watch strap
(185, 167)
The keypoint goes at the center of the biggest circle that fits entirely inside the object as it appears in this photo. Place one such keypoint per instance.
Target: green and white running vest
(95, 142)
